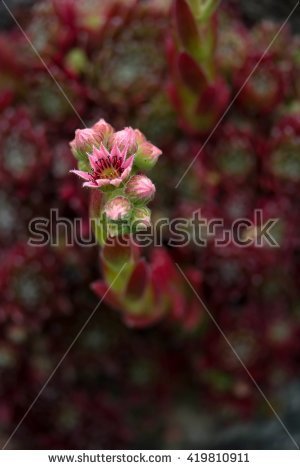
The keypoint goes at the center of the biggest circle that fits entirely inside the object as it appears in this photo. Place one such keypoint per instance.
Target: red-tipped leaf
(186, 26)
(191, 73)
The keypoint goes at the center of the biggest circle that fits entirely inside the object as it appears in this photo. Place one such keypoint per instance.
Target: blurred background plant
(172, 76)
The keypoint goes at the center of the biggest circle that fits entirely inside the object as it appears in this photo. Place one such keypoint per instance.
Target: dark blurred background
(253, 10)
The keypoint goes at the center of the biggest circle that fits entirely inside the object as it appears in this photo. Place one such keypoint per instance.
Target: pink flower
(107, 168)
(140, 188)
(118, 208)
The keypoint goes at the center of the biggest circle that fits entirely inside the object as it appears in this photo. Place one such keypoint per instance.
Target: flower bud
(140, 188)
(118, 208)
(141, 218)
(83, 143)
(125, 139)
(146, 156)
(103, 130)
(140, 138)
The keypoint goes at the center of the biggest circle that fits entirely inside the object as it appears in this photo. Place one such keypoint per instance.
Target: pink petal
(95, 153)
(103, 182)
(140, 138)
(73, 144)
(115, 151)
(126, 173)
(92, 159)
(103, 129)
(98, 153)
(103, 151)
(156, 152)
(82, 174)
(90, 184)
(123, 153)
(128, 162)
(116, 181)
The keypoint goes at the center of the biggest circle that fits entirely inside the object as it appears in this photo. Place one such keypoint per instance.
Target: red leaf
(118, 251)
(186, 25)
(101, 289)
(191, 74)
(214, 99)
(138, 281)
(142, 321)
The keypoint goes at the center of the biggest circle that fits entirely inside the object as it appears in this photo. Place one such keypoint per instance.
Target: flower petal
(98, 153)
(140, 138)
(128, 162)
(115, 152)
(116, 182)
(103, 182)
(90, 184)
(82, 174)
(93, 158)
(104, 152)
(126, 173)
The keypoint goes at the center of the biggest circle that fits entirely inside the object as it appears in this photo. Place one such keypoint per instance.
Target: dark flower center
(107, 168)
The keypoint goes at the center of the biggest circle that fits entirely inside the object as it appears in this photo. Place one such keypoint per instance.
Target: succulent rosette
(233, 43)
(234, 155)
(264, 32)
(12, 66)
(282, 161)
(25, 151)
(30, 297)
(57, 28)
(130, 38)
(56, 104)
(265, 90)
